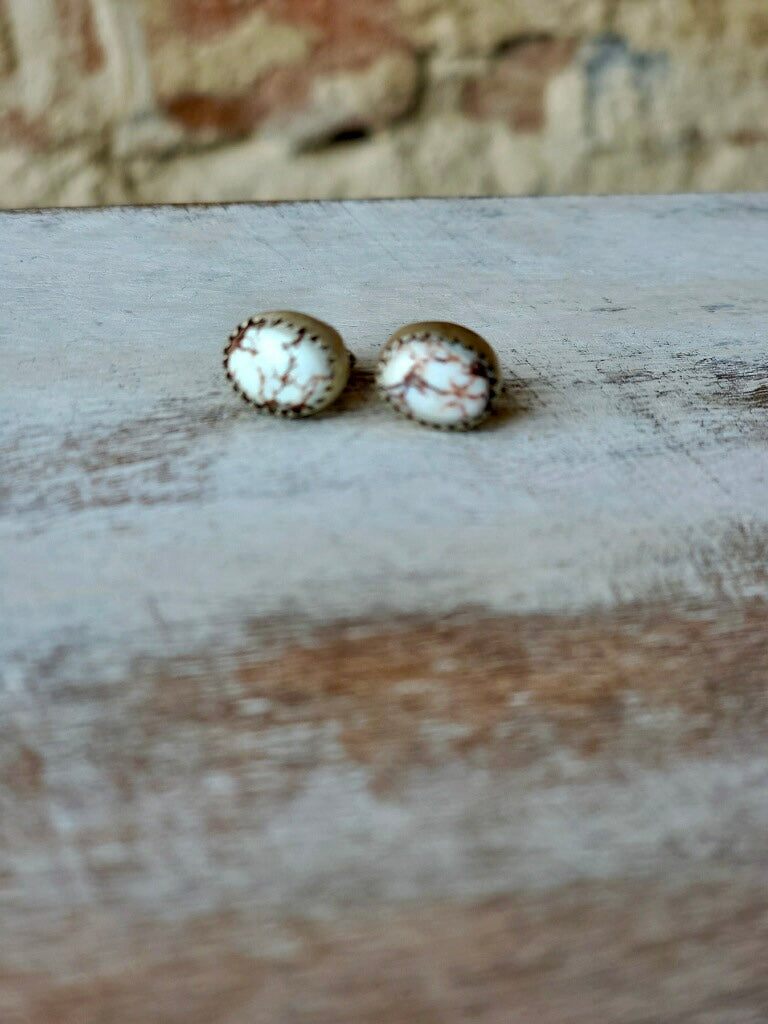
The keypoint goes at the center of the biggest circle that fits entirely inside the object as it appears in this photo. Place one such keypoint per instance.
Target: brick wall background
(106, 101)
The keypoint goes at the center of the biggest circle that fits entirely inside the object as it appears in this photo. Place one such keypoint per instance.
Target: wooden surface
(344, 720)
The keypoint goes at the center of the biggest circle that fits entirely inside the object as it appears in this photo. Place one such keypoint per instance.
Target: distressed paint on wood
(349, 720)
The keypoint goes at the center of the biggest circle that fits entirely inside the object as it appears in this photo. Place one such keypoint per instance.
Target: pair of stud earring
(290, 364)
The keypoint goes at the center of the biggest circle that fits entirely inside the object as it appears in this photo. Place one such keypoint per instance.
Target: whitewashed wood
(642, 438)
(154, 529)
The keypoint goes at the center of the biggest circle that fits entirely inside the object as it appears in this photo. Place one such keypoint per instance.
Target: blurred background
(143, 101)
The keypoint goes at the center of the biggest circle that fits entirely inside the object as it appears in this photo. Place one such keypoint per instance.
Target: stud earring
(439, 374)
(286, 363)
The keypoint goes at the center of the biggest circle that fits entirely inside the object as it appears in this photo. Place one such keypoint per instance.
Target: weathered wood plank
(346, 720)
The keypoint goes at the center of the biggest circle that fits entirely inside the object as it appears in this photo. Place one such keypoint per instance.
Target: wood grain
(347, 720)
